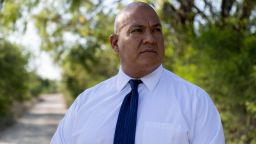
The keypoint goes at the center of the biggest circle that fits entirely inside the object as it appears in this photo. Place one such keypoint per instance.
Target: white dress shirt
(170, 111)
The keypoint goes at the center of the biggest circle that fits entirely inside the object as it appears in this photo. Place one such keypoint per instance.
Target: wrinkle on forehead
(120, 20)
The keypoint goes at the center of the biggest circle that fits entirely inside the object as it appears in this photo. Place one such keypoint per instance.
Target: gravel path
(38, 125)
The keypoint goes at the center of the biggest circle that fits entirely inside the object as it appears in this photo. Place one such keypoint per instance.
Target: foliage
(92, 70)
(88, 58)
(226, 72)
(209, 43)
(38, 85)
(16, 83)
(218, 53)
(13, 85)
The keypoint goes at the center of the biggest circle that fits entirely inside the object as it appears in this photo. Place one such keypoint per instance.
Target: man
(144, 103)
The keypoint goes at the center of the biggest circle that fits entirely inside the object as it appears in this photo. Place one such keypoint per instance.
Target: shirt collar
(149, 80)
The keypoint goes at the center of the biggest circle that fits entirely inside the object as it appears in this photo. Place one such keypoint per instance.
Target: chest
(159, 121)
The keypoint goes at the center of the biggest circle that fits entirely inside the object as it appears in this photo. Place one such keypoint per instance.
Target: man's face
(140, 43)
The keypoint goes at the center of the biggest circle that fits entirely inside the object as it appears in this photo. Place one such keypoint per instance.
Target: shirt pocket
(164, 133)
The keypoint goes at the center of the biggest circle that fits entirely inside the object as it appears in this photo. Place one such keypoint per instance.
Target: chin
(150, 67)
(151, 63)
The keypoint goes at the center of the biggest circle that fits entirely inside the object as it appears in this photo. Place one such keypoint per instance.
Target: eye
(137, 30)
(157, 29)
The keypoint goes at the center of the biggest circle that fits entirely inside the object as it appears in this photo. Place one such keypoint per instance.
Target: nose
(149, 38)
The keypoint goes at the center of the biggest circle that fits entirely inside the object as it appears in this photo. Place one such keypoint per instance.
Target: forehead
(145, 16)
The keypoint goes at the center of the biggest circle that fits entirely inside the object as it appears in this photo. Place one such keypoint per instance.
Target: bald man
(144, 103)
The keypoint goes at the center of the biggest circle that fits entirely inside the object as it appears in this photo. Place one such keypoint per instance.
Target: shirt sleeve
(66, 125)
(207, 126)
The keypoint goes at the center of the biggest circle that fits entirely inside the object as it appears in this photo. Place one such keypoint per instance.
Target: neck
(138, 73)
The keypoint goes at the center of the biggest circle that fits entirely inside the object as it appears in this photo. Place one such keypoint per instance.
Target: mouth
(148, 51)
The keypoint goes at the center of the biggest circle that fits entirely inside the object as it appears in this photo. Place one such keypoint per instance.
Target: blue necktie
(127, 118)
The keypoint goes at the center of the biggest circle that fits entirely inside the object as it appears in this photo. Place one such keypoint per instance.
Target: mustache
(152, 49)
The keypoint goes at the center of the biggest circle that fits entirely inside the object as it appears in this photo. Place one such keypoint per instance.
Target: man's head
(138, 39)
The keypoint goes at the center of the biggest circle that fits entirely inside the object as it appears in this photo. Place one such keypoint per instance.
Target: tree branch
(211, 9)
(226, 6)
(201, 13)
(247, 9)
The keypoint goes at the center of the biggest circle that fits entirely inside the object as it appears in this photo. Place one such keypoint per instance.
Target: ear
(114, 42)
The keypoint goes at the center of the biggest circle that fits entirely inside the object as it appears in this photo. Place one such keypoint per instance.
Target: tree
(17, 83)
(13, 84)
(87, 58)
(216, 46)
(209, 43)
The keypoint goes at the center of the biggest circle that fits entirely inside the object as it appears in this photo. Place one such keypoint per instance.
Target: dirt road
(38, 125)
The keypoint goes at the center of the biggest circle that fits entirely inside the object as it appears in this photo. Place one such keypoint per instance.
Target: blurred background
(61, 46)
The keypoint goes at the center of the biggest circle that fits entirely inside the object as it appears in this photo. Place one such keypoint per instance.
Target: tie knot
(134, 83)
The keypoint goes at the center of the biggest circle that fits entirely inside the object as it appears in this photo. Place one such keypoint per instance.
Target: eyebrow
(157, 25)
(139, 25)
(136, 25)
(120, 28)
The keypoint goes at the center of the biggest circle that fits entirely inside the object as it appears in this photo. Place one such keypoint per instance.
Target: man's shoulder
(178, 81)
(103, 85)
(183, 90)
(187, 94)
(108, 83)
